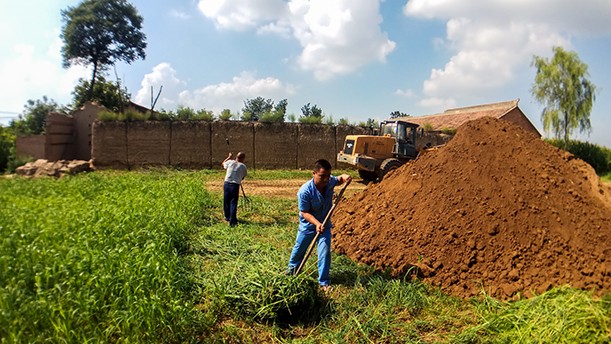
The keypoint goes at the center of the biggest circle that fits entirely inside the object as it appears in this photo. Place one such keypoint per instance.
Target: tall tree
(561, 85)
(101, 32)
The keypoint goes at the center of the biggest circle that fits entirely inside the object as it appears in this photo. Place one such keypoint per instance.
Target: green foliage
(34, 117)
(107, 116)
(329, 120)
(397, 114)
(599, 157)
(292, 118)
(185, 113)
(7, 147)
(101, 32)
(561, 85)
(448, 130)
(225, 115)
(370, 123)
(427, 127)
(105, 93)
(254, 108)
(562, 315)
(96, 258)
(343, 121)
(131, 115)
(204, 115)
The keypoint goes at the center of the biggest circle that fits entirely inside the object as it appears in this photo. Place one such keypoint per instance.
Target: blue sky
(353, 59)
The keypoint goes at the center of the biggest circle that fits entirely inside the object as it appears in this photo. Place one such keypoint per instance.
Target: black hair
(322, 163)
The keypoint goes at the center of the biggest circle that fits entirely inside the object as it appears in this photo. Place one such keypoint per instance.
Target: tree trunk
(92, 84)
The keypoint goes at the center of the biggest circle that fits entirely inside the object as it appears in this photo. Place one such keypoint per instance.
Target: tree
(397, 114)
(7, 147)
(311, 114)
(277, 114)
(225, 115)
(34, 117)
(101, 32)
(254, 108)
(562, 87)
(105, 93)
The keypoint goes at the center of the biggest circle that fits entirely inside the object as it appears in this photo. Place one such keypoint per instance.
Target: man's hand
(344, 178)
(230, 155)
(320, 228)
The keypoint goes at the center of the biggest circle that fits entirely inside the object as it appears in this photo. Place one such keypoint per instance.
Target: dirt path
(282, 188)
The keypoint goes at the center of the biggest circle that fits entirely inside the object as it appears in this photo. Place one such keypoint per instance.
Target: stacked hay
(496, 210)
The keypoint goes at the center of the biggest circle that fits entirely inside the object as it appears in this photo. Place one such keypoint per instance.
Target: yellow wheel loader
(376, 155)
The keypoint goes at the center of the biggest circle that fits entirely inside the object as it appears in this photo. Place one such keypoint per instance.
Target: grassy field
(145, 257)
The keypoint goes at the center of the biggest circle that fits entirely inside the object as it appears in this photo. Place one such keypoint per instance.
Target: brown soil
(496, 210)
(283, 188)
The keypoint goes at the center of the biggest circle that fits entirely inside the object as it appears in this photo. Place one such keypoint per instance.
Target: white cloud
(493, 40)
(226, 95)
(179, 14)
(337, 37)
(28, 73)
(405, 93)
(231, 95)
(163, 77)
(242, 14)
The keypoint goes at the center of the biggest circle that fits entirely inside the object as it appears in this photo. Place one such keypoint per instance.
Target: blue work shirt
(312, 201)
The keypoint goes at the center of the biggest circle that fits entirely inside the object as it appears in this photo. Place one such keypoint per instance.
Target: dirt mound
(497, 209)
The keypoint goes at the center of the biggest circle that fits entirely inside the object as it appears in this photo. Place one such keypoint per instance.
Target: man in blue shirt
(315, 199)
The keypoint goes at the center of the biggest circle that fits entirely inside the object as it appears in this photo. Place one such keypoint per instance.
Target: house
(453, 118)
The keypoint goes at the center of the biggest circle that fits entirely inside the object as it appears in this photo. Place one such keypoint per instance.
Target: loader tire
(387, 166)
(368, 176)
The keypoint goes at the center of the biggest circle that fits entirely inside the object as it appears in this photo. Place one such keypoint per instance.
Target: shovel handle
(311, 247)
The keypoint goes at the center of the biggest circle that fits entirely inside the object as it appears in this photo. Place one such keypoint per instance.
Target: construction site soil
(497, 210)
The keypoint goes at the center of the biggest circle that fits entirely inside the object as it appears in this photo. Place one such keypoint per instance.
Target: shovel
(311, 247)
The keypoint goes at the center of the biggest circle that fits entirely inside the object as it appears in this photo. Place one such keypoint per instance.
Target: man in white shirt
(236, 171)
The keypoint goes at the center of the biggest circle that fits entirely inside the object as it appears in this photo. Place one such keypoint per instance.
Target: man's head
(240, 157)
(321, 172)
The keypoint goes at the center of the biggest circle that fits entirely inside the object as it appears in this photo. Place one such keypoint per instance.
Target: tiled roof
(453, 118)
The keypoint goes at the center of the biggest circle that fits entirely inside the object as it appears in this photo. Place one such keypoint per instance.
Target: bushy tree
(7, 147)
(254, 108)
(397, 114)
(185, 113)
(311, 114)
(33, 120)
(101, 32)
(205, 115)
(225, 115)
(561, 85)
(105, 93)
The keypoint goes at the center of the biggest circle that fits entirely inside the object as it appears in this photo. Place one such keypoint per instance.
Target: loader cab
(405, 137)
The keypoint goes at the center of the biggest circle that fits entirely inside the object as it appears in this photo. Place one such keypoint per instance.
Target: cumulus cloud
(231, 95)
(337, 37)
(163, 77)
(494, 39)
(225, 95)
(21, 72)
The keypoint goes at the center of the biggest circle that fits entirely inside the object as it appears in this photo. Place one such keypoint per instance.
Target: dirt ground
(496, 210)
(283, 188)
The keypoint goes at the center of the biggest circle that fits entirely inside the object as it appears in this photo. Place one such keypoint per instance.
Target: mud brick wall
(59, 132)
(190, 144)
(316, 141)
(195, 144)
(109, 145)
(229, 136)
(83, 122)
(148, 143)
(276, 145)
(30, 146)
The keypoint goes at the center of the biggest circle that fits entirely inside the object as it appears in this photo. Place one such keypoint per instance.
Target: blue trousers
(323, 249)
(231, 193)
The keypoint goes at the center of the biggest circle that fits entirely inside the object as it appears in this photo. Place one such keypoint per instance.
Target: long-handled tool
(311, 247)
(246, 202)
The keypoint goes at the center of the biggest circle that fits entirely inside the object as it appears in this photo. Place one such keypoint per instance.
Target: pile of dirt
(496, 210)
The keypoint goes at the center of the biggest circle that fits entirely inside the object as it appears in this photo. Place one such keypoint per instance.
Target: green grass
(145, 257)
(606, 178)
